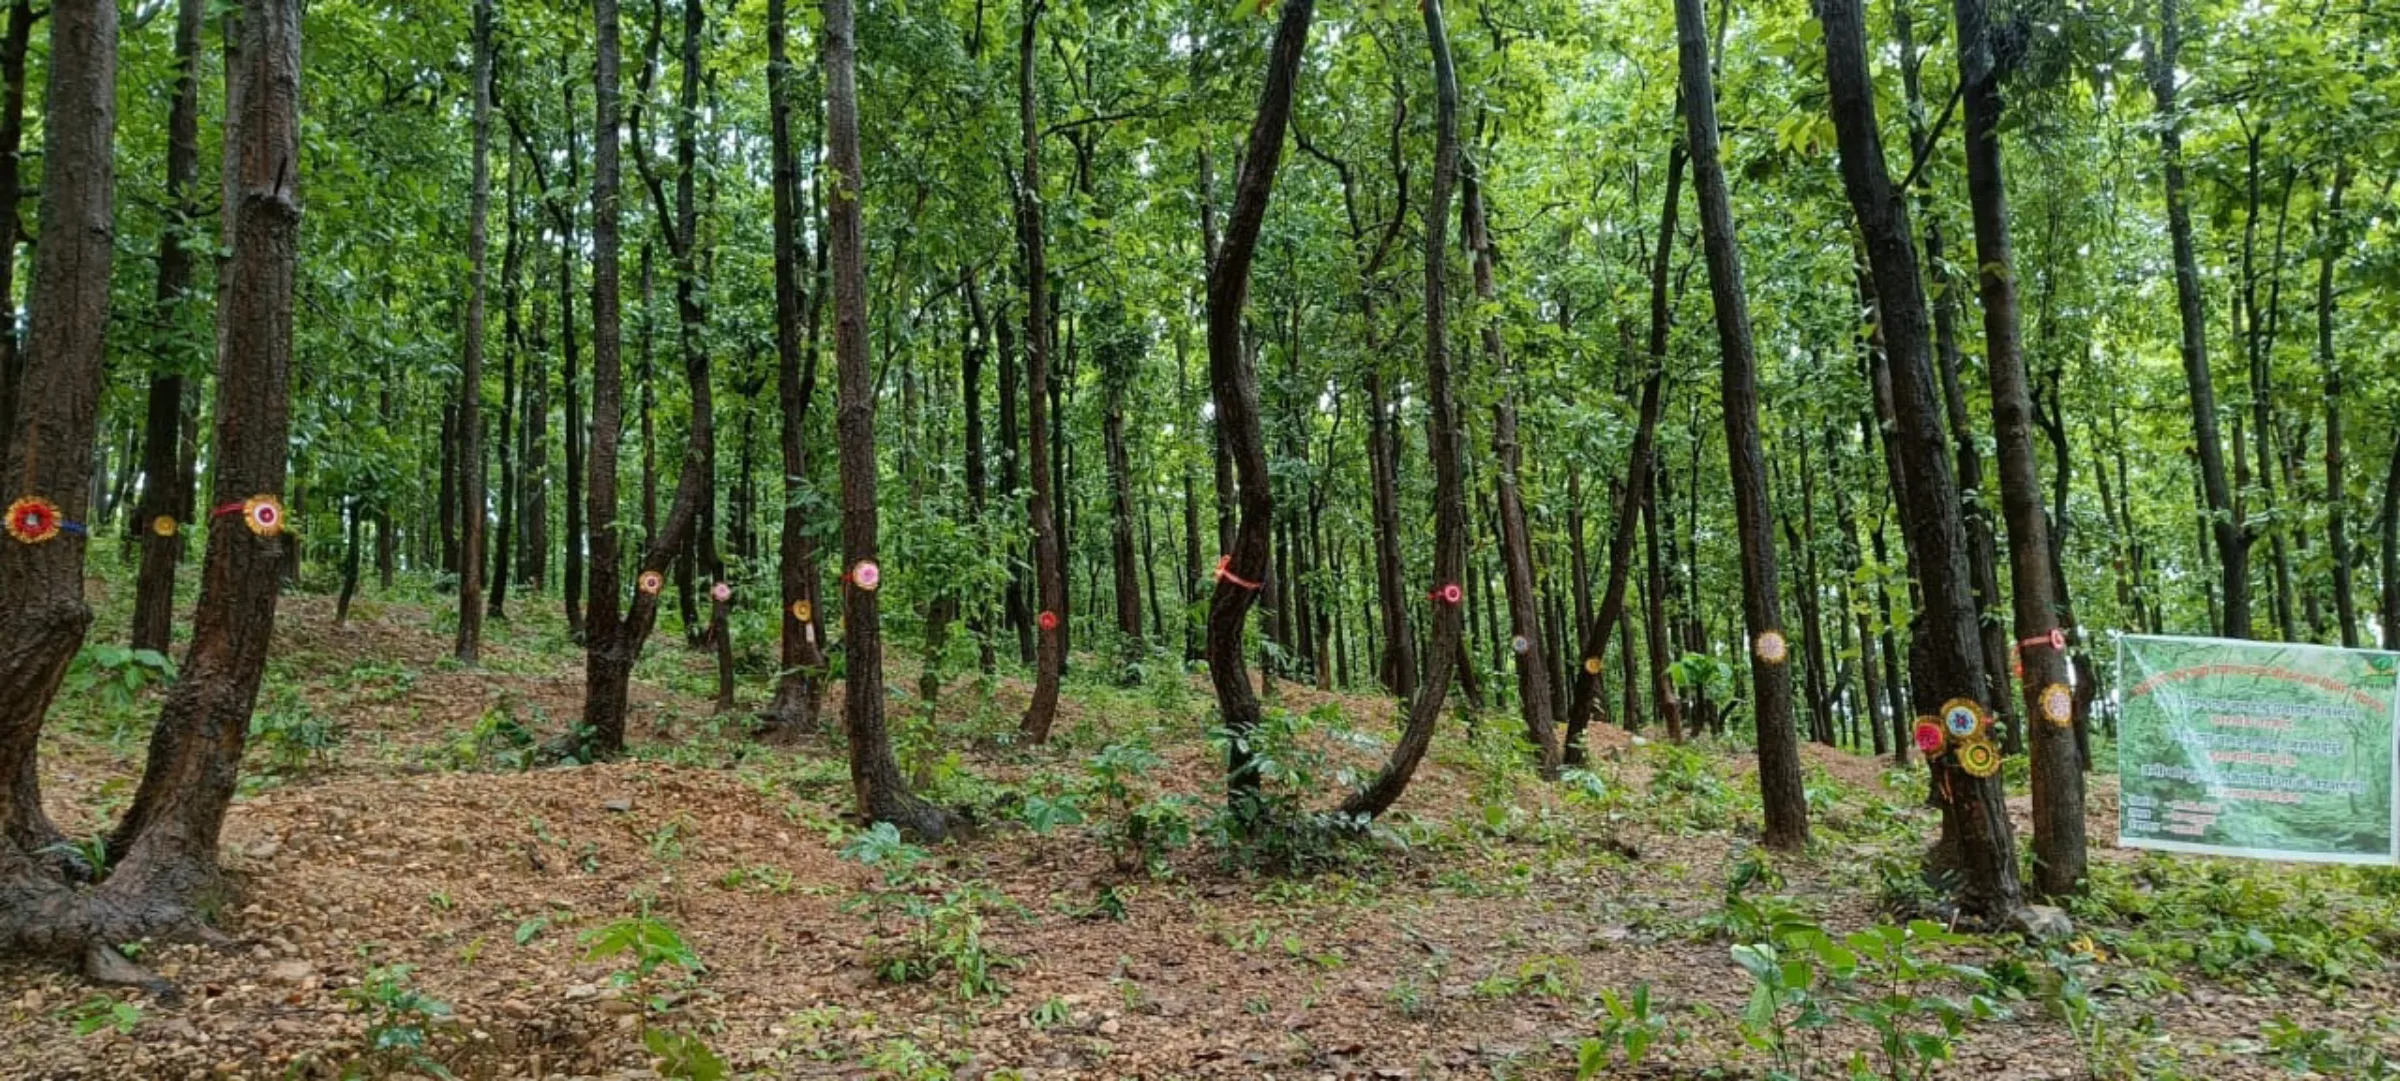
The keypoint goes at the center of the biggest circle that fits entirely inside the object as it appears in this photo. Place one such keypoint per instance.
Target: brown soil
(1473, 953)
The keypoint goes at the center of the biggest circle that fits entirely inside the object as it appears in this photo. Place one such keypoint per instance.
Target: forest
(995, 539)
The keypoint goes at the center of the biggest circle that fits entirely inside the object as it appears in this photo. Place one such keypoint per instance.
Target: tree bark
(2337, 492)
(15, 41)
(875, 776)
(604, 687)
(165, 850)
(1233, 377)
(470, 377)
(43, 617)
(1445, 443)
(799, 690)
(1049, 571)
(167, 473)
(1947, 659)
(1770, 672)
(2057, 765)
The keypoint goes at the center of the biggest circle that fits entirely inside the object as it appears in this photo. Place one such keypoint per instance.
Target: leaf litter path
(1479, 956)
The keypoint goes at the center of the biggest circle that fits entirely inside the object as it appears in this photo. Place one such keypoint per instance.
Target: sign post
(2270, 750)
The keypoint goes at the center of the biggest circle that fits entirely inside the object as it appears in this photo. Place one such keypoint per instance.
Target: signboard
(2270, 750)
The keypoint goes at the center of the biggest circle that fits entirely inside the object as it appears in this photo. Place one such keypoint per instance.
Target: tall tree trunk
(1770, 673)
(166, 871)
(1445, 441)
(1516, 544)
(43, 617)
(1049, 570)
(571, 375)
(604, 685)
(1947, 659)
(2225, 526)
(799, 690)
(1639, 470)
(1233, 377)
(511, 403)
(875, 776)
(470, 376)
(1117, 359)
(15, 41)
(2337, 492)
(2057, 764)
(166, 469)
(2391, 548)
(1662, 689)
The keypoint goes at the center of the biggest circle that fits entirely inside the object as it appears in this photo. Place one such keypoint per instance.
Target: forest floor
(416, 899)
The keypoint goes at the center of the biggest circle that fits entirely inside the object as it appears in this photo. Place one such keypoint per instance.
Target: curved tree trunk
(1445, 442)
(1233, 377)
(1639, 469)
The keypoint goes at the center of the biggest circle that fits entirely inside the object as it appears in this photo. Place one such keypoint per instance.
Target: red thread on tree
(1225, 574)
(1447, 594)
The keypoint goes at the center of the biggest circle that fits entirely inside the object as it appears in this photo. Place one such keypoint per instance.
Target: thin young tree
(1779, 780)
(604, 686)
(2225, 526)
(47, 484)
(798, 688)
(883, 795)
(167, 470)
(1233, 378)
(470, 373)
(2058, 832)
(1049, 572)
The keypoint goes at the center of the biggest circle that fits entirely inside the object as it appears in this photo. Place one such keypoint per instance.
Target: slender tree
(470, 377)
(2224, 525)
(798, 687)
(1946, 658)
(1049, 570)
(1233, 378)
(1770, 674)
(167, 470)
(604, 683)
(883, 796)
(2058, 834)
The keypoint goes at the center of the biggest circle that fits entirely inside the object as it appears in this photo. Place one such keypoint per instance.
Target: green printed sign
(2264, 749)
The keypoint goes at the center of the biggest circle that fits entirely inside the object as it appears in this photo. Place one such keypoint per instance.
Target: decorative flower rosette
(866, 575)
(1771, 647)
(164, 525)
(1448, 593)
(801, 610)
(264, 515)
(650, 583)
(2058, 705)
(720, 593)
(1591, 665)
(1931, 738)
(1048, 620)
(1979, 758)
(33, 520)
(1965, 719)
